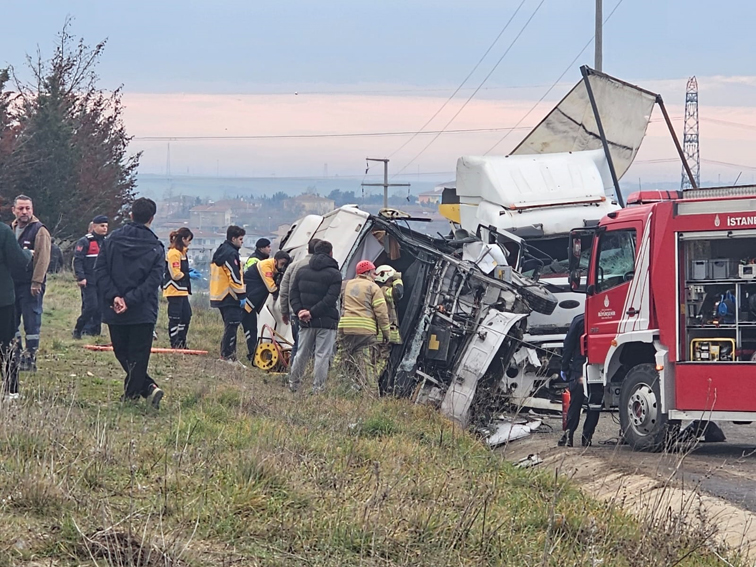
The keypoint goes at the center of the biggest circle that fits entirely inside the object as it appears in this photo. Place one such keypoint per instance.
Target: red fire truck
(670, 313)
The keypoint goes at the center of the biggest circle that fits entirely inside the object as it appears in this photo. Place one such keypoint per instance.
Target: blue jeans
(29, 308)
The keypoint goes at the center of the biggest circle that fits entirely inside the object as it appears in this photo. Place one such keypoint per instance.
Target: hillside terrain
(236, 470)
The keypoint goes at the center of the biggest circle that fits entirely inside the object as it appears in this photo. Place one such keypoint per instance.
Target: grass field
(236, 470)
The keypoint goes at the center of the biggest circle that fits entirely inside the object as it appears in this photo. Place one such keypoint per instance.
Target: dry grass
(236, 470)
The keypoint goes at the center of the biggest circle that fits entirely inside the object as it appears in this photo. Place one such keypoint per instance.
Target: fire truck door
(613, 269)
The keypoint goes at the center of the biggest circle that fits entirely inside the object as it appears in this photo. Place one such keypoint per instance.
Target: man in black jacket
(129, 271)
(12, 259)
(314, 296)
(572, 370)
(85, 256)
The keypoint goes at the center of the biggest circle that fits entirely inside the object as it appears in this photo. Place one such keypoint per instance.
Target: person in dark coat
(572, 371)
(12, 258)
(314, 296)
(85, 256)
(129, 271)
(262, 252)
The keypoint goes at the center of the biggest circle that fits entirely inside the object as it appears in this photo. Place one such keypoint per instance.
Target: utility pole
(599, 38)
(385, 183)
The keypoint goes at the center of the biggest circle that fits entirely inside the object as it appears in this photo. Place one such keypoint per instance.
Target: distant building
(431, 197)
(309, 204)
(211, 217)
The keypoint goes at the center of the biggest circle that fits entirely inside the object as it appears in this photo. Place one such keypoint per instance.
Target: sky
(251, 68)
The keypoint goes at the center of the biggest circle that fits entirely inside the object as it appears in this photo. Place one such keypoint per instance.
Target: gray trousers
(317, 342)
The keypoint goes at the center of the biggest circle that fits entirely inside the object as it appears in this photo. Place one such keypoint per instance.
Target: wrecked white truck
(461, 318)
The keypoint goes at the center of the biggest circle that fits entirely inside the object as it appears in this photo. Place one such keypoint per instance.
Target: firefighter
(262, 252)
(30, 283)
(392, 287)
(227, 288)
(177, 286)
(572, 371)
(260, 280)
(364, 314)
(85, 255)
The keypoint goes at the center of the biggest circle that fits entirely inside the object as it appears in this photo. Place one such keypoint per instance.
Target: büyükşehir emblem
(716, 221)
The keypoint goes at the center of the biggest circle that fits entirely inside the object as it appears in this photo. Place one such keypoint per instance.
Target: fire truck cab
(670, 311)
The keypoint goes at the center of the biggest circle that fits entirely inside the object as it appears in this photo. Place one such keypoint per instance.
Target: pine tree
(70, 149)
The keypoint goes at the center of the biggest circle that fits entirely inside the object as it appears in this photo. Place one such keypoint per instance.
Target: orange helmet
(364, 267)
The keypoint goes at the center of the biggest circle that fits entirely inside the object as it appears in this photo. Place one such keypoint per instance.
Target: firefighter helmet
(364, 267)
(384, 273)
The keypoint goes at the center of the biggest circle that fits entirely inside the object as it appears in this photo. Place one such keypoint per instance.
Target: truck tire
(642, 422)
(540, 299)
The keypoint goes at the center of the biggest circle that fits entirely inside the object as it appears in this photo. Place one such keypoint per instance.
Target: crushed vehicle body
(564, 174)
(461, 318)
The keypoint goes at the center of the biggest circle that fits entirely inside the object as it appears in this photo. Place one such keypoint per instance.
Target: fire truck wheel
(641, 419)
(541, 300)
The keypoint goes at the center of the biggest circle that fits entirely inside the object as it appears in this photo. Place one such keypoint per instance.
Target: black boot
(566, 439)
(585, 441)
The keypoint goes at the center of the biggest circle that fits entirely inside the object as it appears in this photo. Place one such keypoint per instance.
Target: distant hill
(215, 188)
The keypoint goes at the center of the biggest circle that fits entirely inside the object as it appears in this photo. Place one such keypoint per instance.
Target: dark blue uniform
(572, 366)
(85, 256)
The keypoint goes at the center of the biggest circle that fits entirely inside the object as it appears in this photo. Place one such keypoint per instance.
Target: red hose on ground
(154, 349)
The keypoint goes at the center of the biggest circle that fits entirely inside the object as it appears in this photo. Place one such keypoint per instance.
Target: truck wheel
(540, 299)
(643, 424)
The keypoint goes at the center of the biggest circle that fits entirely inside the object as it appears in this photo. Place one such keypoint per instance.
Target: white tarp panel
(520, 182)
(625, 111)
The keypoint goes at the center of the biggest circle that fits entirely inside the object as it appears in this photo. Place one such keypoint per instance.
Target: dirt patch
(653, 487)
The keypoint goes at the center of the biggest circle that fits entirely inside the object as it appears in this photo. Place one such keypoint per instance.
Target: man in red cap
(365, 313)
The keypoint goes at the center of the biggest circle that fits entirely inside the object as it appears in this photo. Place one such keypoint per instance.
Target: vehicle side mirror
(590, 290)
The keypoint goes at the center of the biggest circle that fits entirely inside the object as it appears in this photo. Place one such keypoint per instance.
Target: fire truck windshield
(616, 259)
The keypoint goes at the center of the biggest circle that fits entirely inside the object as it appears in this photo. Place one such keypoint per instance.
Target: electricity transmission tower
(690, 135)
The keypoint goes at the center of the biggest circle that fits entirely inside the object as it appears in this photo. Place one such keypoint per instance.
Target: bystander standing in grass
(284, 304)
(227, 288)
(314, 296)
(30, 283)
(12, 258)
(85, 256)
(177, 286)
(129, 270)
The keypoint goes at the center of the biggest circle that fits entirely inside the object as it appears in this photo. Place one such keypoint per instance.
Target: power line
(524, 27)
(540, 100)
(306, 136)
(462, 84)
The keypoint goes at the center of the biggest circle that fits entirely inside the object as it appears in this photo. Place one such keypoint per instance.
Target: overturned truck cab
(461, 318)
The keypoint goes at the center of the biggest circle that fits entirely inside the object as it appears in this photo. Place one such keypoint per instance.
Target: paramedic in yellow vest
(392, 287)
(227, 290)
(177, 286)
(364, 314)
(260, 279)
(262, 252)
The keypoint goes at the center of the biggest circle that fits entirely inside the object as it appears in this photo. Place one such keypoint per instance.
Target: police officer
(572, 371)
(30, 283)
(85, 256)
